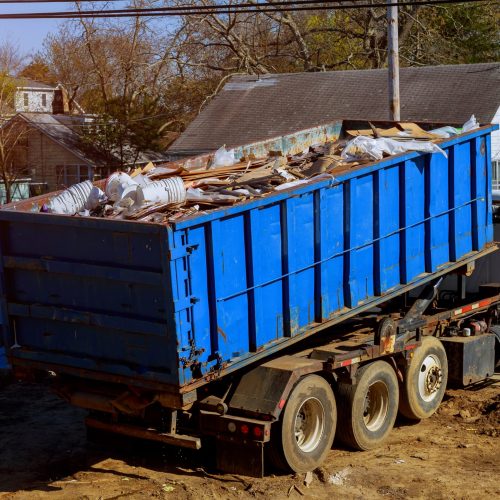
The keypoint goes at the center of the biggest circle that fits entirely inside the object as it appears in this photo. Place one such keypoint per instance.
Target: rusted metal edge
(192, 442)
(170, 394)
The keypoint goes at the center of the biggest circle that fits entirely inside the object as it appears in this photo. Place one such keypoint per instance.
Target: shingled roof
(252, 108)
(66, 130)
(28, 83)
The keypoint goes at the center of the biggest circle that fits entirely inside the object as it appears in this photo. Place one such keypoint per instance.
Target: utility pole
(393, 60)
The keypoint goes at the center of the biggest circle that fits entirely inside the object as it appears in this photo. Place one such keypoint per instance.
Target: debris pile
(168, 192)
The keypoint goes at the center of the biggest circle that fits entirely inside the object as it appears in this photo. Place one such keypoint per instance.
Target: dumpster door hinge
(182, 251)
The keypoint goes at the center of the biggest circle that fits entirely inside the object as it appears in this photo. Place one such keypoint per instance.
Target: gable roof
(252, 108)
(28, 83)
(65, 130)
(61, 129)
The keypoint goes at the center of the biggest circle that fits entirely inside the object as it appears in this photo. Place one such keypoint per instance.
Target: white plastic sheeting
(367, 148)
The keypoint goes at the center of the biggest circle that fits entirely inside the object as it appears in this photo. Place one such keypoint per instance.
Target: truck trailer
(271, 326)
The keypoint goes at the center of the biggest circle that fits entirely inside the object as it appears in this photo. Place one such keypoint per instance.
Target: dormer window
(44, 100)
(26, 100)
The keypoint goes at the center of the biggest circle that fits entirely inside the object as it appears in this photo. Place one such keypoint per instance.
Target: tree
(455, 34)
(118, 71)
(12, 138)
(37, 69)
(11, 58)
(142, 77)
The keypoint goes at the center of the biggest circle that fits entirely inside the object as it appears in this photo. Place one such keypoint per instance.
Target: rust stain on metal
(387, 344)
(221, 332)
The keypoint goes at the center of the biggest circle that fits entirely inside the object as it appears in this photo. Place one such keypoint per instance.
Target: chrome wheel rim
(309, 424)
(376, 406)
(430, 377)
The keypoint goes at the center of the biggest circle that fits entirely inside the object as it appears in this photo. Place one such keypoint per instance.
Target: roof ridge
(405, 68)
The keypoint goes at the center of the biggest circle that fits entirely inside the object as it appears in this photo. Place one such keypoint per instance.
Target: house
(252, 108)
(52, 152)
(37, 97)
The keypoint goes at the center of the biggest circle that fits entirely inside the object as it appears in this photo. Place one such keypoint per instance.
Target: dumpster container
(172, 307)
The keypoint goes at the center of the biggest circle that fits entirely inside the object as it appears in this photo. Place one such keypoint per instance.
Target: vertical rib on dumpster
(331, 243)
(300, 217)
(439, 225)
(388, 224)
(229, 253)
(412, 201)
(462, 198)
(489, 201)
(361, 212)
(266, 271)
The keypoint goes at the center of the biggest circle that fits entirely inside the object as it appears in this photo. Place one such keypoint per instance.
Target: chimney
(60, 104)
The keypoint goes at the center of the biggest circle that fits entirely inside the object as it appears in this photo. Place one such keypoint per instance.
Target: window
(67, 175)
(26, 100)
(44, 100)
(495, 174)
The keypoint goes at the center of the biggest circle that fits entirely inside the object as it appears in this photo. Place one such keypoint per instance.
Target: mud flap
(470, 359)
(246, 459)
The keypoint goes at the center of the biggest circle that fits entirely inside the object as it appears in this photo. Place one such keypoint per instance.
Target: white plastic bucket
(81, 192)
(72, 200)
(117, 183)
(169, 190)
(95, 198)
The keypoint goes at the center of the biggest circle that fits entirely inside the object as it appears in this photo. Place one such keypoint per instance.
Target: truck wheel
(425, 380)
(305, 432)
(368, 409)
(496, 330)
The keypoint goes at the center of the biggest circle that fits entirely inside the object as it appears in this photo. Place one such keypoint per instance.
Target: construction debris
(169, 192)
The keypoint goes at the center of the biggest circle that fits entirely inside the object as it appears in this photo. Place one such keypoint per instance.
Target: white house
(37, 97)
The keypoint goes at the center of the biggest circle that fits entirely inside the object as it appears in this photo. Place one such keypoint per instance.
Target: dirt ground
(44, 453)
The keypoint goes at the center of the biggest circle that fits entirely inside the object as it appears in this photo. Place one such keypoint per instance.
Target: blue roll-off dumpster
(174, 306)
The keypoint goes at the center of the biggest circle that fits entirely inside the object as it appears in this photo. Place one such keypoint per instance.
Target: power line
(227, 9)
(132, 10)
(55, 1)
(158, 10)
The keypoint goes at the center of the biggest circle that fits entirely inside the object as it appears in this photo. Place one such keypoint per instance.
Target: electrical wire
(226, 9)
(55, 1)
(140, 10)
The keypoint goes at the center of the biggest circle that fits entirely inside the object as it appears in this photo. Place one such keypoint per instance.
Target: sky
(29, 34)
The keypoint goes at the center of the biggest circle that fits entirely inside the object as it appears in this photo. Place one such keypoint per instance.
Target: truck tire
(368, 409)
(496, 330)
(424, 380)
(305, 431)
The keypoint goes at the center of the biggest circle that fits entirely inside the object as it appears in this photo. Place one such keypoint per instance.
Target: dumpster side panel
(271, 269)
(92, 296)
